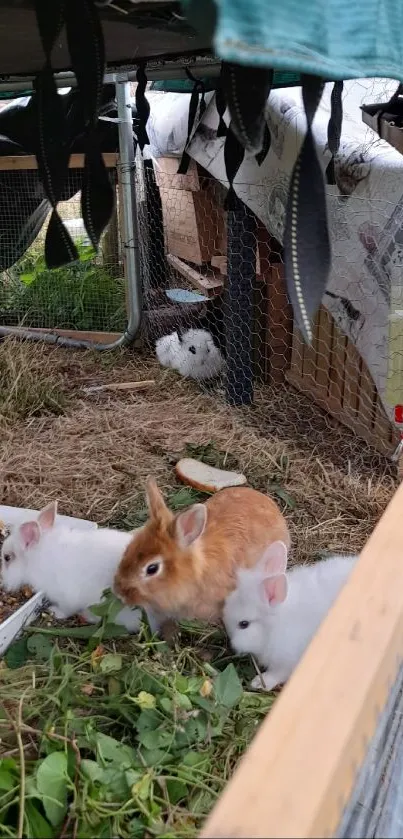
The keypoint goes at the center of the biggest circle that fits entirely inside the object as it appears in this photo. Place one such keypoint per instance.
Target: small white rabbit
(274, 616)
(71, 567)
(167, 349)
(192, 354)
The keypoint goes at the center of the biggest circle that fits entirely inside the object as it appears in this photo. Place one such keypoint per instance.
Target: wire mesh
(223, 272)
(88, 295)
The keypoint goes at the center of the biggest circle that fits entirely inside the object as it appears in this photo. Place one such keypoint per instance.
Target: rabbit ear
(157, 508)
(275, 589)
(47, 516)
(190, 525)
(274, 559)
(29, 533)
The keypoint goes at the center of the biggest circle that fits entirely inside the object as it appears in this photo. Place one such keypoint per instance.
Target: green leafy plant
(126, 738)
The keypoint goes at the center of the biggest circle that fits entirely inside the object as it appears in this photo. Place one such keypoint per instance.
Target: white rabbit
(274, 616)
(167, 349)
(193, 354)
(71, 567)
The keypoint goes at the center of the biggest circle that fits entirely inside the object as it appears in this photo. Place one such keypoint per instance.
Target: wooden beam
(24, 162)
(77, 334)
(210, 285)
(298, 774)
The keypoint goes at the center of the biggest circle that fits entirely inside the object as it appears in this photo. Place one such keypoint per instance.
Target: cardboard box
(192, 224)
(387, 121)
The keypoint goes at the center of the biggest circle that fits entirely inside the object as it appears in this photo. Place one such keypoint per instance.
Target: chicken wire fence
(216, 309)
(88, 295)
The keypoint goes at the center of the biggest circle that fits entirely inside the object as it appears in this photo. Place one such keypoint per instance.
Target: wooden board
(166, 174)
(209, 283)
(298, 774)
(25, 162)
(76, 334)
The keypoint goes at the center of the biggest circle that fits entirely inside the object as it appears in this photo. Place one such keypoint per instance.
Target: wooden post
(298, 775)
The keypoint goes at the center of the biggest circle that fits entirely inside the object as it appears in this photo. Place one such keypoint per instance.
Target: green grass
(119, 737)
(85, 295)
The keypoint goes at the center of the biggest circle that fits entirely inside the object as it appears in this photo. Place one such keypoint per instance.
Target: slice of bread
(206, 478)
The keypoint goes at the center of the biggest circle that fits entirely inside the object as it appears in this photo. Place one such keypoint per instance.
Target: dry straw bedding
(93, 453)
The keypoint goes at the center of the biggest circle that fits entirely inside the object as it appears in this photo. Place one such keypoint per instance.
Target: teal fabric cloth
(335, 39)
(186, 85)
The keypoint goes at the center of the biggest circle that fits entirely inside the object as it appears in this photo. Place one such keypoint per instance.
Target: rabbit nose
(192, 350)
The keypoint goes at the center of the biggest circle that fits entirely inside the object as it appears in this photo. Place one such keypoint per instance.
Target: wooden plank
(310, 353)
(351, 381)
(323, 350)
(77, 334)
(24, 162)
(279, 325)
(382, 425)
(166, 174)
(209, 284)
(298, 774)
(145, 384)
(297, 353)
(337, 366)
(353, 423)
(366, 398)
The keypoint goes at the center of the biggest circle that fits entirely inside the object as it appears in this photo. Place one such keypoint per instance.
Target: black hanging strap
(198, 88)
(87, 52)
(307, 254)
(50, 142)
(246, 90)
(334, 129)
(221, 106)
(142, 106)
(234, 154)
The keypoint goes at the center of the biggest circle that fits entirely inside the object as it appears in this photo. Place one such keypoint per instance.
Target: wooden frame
(334, 375)
(29, 161)
(298, 774)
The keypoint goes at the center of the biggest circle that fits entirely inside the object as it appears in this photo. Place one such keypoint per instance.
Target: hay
(94, 459)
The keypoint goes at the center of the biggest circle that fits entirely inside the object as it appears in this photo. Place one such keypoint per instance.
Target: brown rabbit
(184, 566)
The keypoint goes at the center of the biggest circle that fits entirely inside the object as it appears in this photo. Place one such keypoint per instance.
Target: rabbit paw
(266, 681)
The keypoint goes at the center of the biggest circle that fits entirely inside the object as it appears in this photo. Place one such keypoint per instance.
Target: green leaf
(114, 687)
(52, 781)
(91, 769)
(166, 704)
(182, 701)
(148, 719)
(227, 687)
(177, 790)
(17, 654)
(157, 739)
(36, 826)
(40, 646)
(155, 757)
(142, 788)
(280, 492)
(111, 663)
(27, 279)
(111, 751)
(8, 778)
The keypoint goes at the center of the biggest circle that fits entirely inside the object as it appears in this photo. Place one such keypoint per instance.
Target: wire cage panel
(85, 297)
(234, 266)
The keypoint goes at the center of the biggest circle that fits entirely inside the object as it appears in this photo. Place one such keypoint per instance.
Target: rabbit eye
(7, 558)
(152, 569)
(243, 624)
(192, 350)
